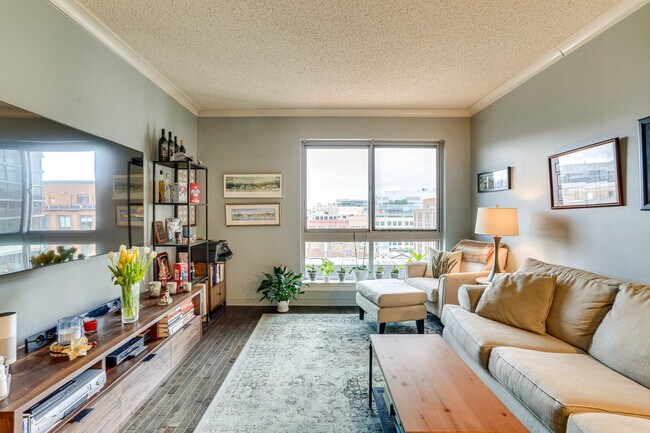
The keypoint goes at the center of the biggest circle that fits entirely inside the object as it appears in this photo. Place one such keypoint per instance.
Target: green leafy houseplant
(342, 273)
(282, 286)
(394, 272)
(379, 272)
(312, 271)
(326, 268)
(416, 257)
(441, 264)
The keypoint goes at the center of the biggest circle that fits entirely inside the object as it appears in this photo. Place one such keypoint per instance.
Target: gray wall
(594, 93)
(269, 145)
(54, 68)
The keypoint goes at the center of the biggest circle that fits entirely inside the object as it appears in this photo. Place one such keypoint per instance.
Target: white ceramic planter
(360, 275)
(283, 306)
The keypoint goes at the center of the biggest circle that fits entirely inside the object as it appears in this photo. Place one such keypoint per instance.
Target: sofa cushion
(427, 285)
(556, 385)
(390, 293)
(521, 300)
(626, 326)
(478, 335)
(606, 423)
(455, 257)
(580, 301)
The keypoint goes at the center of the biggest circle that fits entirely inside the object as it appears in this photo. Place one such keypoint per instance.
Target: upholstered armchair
(476, 262)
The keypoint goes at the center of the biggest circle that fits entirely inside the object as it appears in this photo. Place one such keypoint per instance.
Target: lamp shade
(497, 221)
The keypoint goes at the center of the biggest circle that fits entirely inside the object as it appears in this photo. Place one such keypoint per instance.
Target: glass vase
(130, 302)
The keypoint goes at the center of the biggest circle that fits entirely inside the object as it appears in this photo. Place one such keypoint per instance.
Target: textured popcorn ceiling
(243, 54)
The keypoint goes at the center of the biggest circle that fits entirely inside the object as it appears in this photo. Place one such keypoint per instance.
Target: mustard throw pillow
(520, 300)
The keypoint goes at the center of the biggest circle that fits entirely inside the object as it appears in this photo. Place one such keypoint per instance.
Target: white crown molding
(592, 29)
(336, 112)
(103, 34)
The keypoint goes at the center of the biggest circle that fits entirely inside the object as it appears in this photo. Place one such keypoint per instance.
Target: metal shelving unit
(177, 167)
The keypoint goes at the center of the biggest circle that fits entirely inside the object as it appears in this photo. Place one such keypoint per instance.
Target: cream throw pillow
(520, 300)
(458, 256)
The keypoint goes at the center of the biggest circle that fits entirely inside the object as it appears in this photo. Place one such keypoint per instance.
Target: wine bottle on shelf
(170, 141)
(182, 148)
(163, 148)
(176, 149)
(161, 188)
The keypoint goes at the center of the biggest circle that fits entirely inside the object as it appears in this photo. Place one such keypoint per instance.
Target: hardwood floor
(180, 401)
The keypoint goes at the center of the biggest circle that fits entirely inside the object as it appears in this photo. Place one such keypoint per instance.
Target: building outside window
(65, 222)
(86, 222)
(369, 202)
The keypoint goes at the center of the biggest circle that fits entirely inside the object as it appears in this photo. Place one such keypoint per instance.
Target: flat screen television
(65, 195)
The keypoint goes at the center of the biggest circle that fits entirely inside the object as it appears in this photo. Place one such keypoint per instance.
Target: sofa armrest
(416, 269)
(449, 284)
(469, 295)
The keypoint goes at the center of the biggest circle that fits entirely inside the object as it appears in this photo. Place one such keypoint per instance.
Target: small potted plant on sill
(394, 272)
(326, 268)
(342, 272)
(360, 272)
(312, 271)
(379, 272)
(282, 286)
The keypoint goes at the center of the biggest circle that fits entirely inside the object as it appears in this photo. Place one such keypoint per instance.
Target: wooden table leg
(370, 376)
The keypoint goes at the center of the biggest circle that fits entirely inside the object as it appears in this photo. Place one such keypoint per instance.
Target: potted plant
(342, 272)
(394, 272)
(359, 272)
(379, 272)
(416, 257)
(326, 268)
(282, 286)
(312, 271)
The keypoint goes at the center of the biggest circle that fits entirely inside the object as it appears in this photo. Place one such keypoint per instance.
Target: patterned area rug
(302, 373)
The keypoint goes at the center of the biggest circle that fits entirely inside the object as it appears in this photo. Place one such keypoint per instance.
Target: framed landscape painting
(252, 185)
(122, 216)
(253, 214)
(644, 161)
(589, 176)
(491, 181)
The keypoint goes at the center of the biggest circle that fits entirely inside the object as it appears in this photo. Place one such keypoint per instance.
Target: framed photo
(492, 181)
(121, 187)
(162, 261)
(644, 161)
(122, 216)
(252, 185)
(589, 176)
(253, 214)
(159, 232)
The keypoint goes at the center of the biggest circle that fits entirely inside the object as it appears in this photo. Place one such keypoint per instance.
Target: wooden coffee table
(429, 389)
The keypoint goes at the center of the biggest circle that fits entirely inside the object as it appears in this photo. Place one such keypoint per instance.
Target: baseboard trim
(244, 302)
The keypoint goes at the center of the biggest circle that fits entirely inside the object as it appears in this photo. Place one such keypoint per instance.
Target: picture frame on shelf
(589, 176)
(159, 232)
(122, 216)
(493, 181)
(164, 270)
(252, 185)
(121, 187)
(253, 214)
(644, 162)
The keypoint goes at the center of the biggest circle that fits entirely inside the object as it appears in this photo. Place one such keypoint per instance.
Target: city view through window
(338, 198)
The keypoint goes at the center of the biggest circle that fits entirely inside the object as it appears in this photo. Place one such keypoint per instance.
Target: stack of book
(176, 319)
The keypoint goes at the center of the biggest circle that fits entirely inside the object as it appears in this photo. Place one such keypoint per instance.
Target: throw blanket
(475, 251)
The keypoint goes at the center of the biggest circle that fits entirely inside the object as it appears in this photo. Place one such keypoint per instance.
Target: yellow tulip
(136, 252)
(122, 256)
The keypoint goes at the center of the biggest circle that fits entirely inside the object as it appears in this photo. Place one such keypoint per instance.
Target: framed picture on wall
(253, 214)
(122, 216)
(159, 232)
(492, 181)
(121, 187)
(644, 162)
(589, 176)
(252, 185)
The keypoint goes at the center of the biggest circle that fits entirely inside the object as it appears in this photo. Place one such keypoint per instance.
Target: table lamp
(497, 222)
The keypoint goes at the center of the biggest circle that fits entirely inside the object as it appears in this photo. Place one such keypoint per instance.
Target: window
(65, 222)
(85, 222)
(381, 195)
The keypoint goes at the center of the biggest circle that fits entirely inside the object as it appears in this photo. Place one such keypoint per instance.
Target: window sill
(331, 286)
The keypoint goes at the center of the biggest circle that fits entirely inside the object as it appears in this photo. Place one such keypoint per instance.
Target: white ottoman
(391, 300)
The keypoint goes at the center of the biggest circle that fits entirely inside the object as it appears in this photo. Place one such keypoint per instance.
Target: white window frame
(372, 234)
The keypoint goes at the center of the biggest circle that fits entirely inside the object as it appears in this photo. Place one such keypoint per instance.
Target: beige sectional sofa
(590, 372)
